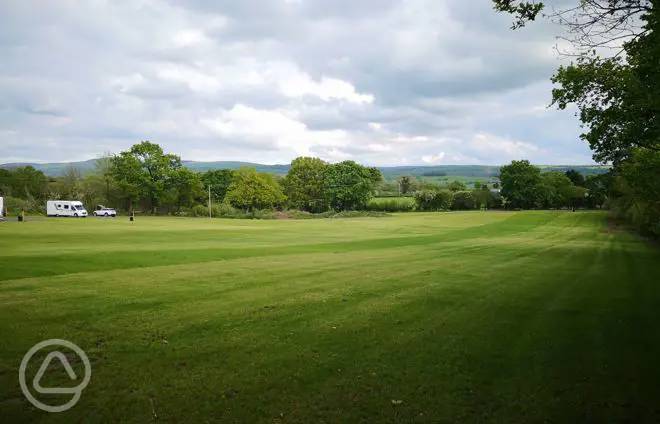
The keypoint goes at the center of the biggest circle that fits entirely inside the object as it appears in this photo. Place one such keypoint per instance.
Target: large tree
(614, 80)
(143, 173)
(554, 190)
(304, 184)
(185, 188)
(24, 182)
(519, 183)
(349, 186)
(252, 190)
(219, 180)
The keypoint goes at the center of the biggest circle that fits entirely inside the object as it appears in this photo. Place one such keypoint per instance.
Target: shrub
(463, 200)
(199, 210)
(391, 204)
(14, 205)
(432, 200)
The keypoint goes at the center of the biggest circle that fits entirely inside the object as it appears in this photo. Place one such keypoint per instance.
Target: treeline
(146, 179)
(524, 186)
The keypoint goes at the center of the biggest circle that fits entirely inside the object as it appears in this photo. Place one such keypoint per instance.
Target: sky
(381, 82)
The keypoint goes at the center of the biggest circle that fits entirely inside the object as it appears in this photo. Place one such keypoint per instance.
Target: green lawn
(463, 317)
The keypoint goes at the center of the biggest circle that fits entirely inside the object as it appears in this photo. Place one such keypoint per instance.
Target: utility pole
(209, 201)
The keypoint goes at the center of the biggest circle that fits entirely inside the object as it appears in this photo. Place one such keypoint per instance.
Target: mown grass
(462, 317)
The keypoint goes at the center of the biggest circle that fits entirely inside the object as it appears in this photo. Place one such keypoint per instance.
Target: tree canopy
(144, 171)
(305, 184)
(349, 185)
(250, 190)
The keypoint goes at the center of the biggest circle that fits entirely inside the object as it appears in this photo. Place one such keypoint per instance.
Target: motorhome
(65, 208)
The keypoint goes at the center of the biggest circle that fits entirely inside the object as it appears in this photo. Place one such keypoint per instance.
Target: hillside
(389, 172)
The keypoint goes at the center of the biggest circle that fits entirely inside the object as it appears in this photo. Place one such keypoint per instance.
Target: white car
(103, 211)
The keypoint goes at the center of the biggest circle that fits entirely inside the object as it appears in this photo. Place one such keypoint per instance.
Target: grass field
(455, 317)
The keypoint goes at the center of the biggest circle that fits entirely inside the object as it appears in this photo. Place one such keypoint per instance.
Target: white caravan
(65, 208)
(2, 207)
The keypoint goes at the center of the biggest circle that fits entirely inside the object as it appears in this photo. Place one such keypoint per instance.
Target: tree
(103, 172)
(349, 186)
(617, 94)
(598, 188)
(591, 24)
(433, 200)
(304, 184)
(575, 177)
(554, 190)
(185, 187)
(219, 180)
(636, 190)
(463, 200)
(405, 184)
(483, 198)
(5, 182)
(456, 186)
(519, 181)
(70, 186)
(144, 172)
(24, 182)
(523, 11)
(251, 190)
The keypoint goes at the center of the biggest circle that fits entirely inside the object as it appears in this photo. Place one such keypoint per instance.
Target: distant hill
(389, 172)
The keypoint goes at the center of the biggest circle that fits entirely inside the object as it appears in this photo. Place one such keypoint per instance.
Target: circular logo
(36, 382)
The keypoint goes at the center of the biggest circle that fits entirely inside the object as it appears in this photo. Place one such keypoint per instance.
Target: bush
(432, 200)
(14, 205)
(391, 204)
(463, 200)
(199, 210)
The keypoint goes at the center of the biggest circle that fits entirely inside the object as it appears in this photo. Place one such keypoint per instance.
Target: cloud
(433, 159)
(383, 82)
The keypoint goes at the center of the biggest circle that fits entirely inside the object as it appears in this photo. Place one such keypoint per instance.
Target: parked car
(72, 208)
(103, 211)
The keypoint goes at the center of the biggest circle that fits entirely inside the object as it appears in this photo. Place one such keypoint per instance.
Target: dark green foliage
(575, 177)
(463, 200)
(598, 188)
(554, 190)
(519, 181)
(636, 191)
(304, 184)
(348, 185)
(252, 191)
(24, 183)
(433, 200)
(406, 184)
(484, 198)
(144, 173)
(185, 188)
(219, 180)
(456, 186)
(523, 11)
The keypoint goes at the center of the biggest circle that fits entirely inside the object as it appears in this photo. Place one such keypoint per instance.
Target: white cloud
(433, 159)
(488, 144)
(272, 126)
(326, 89)
(189, 37)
